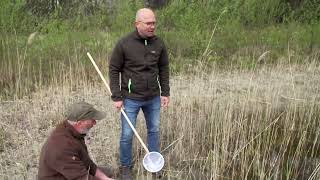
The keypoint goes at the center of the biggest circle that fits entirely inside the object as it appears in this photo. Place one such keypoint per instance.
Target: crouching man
(64, 156)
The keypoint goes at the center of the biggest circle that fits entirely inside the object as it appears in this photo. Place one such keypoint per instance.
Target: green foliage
(30, 15)
(124, 16)
(315, 38)
(49, 16)
(55, 26)
(257, 13)
(184, 28)
(14, 18)
(226, 32)
(308, 12)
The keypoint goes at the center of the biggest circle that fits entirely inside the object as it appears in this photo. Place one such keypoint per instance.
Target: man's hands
(101, 176)
(118, 104)
(165, 101)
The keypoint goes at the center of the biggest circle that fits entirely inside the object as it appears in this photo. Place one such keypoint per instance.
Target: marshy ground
(226, 124)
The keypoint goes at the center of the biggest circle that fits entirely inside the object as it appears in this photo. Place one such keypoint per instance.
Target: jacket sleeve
(164, 72)
(67, 162)
(115, 68)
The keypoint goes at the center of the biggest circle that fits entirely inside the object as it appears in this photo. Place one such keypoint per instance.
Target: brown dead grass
(236, 124)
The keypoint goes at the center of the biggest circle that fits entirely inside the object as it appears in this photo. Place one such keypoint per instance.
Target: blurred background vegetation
(263, 117)
(46, 41)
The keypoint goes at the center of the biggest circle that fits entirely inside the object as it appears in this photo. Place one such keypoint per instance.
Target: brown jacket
(65, 156)
(143, 65)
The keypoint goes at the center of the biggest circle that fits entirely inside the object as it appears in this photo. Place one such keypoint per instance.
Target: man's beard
(85, 131)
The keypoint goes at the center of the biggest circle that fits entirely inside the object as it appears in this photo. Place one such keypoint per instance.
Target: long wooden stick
(122, 111)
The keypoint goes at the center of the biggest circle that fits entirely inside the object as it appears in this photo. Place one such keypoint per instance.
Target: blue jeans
(151, 111)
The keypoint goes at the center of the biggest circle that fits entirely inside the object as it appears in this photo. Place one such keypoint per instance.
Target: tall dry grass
(222, 124)
(262, 124)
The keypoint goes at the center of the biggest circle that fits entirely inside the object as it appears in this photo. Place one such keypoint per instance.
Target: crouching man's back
(64, 156)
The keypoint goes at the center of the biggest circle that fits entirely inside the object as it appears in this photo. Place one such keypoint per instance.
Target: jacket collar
(136, 35)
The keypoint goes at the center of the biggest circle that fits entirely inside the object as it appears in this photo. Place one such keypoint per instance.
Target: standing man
(64, 156)
(142, 60)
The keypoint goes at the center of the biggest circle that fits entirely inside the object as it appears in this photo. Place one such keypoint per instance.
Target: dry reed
(231, 124)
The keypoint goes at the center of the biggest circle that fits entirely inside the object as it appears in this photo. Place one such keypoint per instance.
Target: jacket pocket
(137, 84)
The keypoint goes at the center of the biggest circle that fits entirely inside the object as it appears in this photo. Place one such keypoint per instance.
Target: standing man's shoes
(125, 173)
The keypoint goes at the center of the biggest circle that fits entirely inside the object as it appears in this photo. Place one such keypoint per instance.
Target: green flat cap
(83, 111)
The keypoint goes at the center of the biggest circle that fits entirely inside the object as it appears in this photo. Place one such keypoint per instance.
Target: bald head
(143, 13)
(145, 22)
